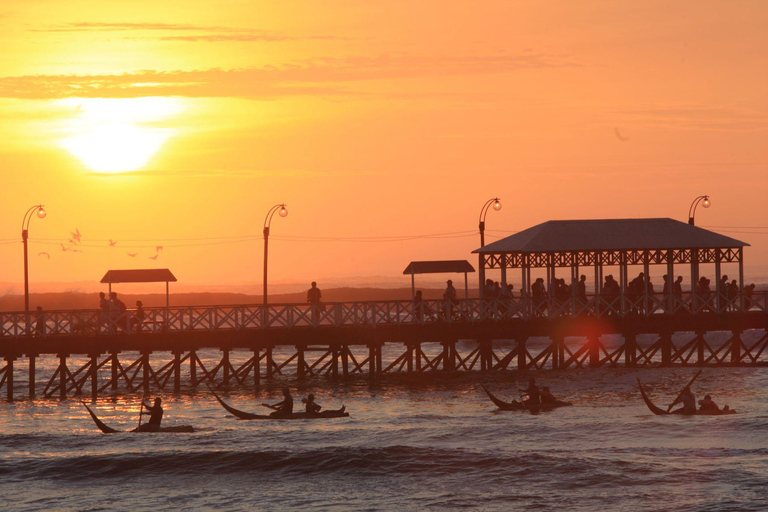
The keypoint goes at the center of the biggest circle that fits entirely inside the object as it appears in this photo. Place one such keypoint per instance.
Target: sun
(118, 135)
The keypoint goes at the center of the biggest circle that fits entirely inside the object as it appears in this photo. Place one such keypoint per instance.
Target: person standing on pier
(137, 322)
(314, 297)
(450, 298)
(418, 306)
(104, 305)
(40, 321)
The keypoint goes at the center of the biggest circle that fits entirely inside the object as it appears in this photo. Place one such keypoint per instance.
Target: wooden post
(522, 364)
(623, 283)
(409, 360)
(256, 369)
(176, 371)
(193, 367)
(32, 392)
(666, 348)
(225, 366)
(115, 362)
(448, 362)
(736, 347)
(700, 347)
(335, 365)
(345, 360)
(371, 361)
(145, 371)
(646, 273)
(669, 297)
(694, 278)
(594, 350)
(9, 377)
(417, 349)
(270, 363)
(630, 350)
(555, 347)
(301, 365)
(63, 376)
(94, 376)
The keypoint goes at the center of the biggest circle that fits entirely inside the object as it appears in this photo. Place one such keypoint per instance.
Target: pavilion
(576, 244)
(148, 275)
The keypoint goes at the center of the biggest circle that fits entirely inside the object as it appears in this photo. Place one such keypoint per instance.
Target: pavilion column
(623, 282)
(481, 275)
(669, 296)
(646, 272)
(550, 282)
(694, 278)
(741, 279)
(598, 280)
(719, 292)
(574, 283)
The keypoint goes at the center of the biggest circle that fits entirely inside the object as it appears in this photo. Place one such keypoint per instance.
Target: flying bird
(154, 257)
(132, 255)
(64, 248)
(76, 250)
(76, 235)
(158, 248)
(111, 243)
(619, 135)
(72, 242)
(41, 253)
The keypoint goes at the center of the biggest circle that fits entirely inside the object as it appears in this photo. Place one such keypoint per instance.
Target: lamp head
(706, 203)
(283, 212)
(41, 213)
(497, 204)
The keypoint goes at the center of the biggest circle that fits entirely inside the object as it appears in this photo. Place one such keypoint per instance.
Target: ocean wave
(571, 468)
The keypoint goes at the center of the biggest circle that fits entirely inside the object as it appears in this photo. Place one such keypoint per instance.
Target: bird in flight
(64, 248)
(111, 243)
(619, 135)
(158, 248)
(132, 255)
(76, 234)
(41, 253)
(154, 257)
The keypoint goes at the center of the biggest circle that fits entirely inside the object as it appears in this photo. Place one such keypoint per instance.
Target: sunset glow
(117, 135)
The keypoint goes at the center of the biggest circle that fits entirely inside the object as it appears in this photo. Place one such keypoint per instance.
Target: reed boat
(180, 429)
(661, 412)
(514, 405)
(242, 415)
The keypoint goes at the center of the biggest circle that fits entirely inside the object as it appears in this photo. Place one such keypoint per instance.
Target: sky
(171, 128)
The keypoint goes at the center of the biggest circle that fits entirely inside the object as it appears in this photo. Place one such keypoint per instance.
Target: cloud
(325, 76)
(698, 117)
(207, 33)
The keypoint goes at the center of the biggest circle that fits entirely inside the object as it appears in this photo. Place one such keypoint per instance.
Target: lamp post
(496, 203)
(41, 213)
(705, 202)
(283, 211)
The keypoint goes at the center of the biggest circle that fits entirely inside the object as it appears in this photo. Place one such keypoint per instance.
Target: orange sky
(174, 124)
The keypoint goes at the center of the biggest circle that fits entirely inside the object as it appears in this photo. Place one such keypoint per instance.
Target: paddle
(681, 392)
(520, 394)
(141, 409)
(270, 406)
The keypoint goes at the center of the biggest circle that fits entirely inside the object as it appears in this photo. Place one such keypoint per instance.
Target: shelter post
(466, 286)
(719, 291)
(669, 295)
(741, 279)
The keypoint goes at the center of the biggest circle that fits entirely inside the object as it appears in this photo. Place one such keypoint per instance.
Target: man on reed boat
(311, 407)
(533, 394)
(285, 407)
(155, 416)
(708, 405)
(547, 398)
(688, 399)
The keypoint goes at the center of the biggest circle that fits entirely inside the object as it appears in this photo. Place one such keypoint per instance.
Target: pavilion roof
(438, 267)
(610, 234)
(148, 275)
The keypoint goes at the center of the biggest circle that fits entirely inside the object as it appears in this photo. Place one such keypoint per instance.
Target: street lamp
(496, 202)
(282, 210)
(41, 213)
(705, 202)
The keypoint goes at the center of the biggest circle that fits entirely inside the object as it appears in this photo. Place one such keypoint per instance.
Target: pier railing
(370, 314)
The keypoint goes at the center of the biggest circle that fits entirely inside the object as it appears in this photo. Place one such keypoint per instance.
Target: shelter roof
(148, 275)
(438, 267)
(610, 234)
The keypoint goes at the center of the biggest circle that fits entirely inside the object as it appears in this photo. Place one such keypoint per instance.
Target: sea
(420, 443)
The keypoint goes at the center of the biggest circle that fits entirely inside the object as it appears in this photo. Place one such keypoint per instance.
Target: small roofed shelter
(610, 242)
(439, 267)
(148, 275)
